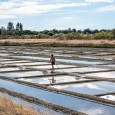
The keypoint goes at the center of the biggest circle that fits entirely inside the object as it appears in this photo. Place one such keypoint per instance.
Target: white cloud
(13, 8)
(93, 1)
(6, 16)
(60, 22)
(106, 8)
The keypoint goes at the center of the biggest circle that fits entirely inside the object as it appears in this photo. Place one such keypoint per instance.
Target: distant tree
(103, 30)
(19, 26)
(113, 32)
(45, 32)
(87, 31)
(2, 31)
(69, 30)
(65, 32)
(50, 33)
(55, 31)
(79, 31)
(96, 31)
(74, 30)
(10, 26)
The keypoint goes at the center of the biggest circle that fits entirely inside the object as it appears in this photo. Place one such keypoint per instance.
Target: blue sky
(59, 14)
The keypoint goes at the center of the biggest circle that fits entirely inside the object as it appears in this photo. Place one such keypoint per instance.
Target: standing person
(52, 60)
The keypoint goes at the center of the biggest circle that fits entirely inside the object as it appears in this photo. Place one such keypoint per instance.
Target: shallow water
(103, 74)
(30, 53)
(20, 61)
(3, 54)
(3, 59)
(109, 97)
(94, 57)
(83, 69)
(89, 88)
(60, 60)
(31, 63)
(89, 57)
(111, 65)
(24, 74)
(60, 99)
(55, 66)
(8, 69)
(51, 80)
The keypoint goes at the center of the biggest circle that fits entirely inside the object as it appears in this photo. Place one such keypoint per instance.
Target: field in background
(56, 42)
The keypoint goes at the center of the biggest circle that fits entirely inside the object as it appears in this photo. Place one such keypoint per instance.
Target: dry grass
(7, 107)
(96, 42)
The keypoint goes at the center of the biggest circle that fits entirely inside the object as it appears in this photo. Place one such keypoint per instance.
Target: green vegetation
(67, 34)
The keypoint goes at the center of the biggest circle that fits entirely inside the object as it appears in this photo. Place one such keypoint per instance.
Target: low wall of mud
(113, 93)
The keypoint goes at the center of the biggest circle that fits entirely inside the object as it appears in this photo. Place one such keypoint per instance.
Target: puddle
(14, 62)
(64, 55)
(60, 60)
(78, 61)
(84, 69)
(89, 57)
(29, 53)
(111, 65)
(50, 67)
(8, 69)
(2, 54)
(32, 63)
(31, 57)
(93, 57)
(109, 97)
(103, 74)
(104, 53)
(107, 58)
(24, 74)
(51, 80)
(2, 59)
(89, 88)
(60, 99)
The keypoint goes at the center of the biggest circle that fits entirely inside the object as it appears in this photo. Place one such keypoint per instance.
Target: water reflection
(89, 88)
(24, 74)
(52, 80)
(109, 97)
(103, 74)
(59, 99)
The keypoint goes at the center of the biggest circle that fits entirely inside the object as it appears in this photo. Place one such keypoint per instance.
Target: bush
(59, 36)
(103, 35)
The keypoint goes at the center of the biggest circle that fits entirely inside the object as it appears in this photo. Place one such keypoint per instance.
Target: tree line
(60, 34)
(11, 30)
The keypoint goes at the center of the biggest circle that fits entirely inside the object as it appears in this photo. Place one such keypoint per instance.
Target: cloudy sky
(59, 14)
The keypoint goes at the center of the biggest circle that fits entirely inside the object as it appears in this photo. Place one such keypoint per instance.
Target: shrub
(103, 35)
